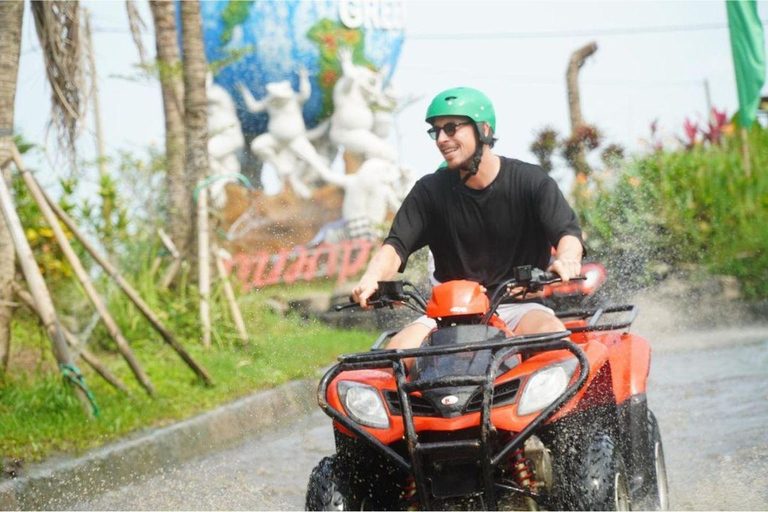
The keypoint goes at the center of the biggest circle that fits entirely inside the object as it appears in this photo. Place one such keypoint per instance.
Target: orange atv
(483, 419)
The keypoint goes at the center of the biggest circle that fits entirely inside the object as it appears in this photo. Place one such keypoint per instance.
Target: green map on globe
(260, 41)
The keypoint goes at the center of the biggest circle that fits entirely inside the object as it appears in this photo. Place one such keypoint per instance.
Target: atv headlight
(363, 404)
(545, 386)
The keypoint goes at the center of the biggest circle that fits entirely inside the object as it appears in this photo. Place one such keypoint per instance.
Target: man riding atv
(504, 406)
(482, 216)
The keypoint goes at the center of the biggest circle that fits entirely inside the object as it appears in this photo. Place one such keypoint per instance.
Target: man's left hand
(566, 268)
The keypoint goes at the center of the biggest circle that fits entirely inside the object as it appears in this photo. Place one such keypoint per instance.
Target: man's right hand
(364, 289)
(383, 266)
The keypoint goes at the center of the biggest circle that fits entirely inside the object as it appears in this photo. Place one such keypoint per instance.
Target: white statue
(225, 139)
(355, 94)
(286, 140)
(383, 113)
(369, 194)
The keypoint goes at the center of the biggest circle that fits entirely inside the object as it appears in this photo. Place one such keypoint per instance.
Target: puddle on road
(712, 406)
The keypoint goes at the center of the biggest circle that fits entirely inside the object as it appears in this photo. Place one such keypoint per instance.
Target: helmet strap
(474, 166)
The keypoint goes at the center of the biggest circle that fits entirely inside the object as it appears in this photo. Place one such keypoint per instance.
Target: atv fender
(630, 363)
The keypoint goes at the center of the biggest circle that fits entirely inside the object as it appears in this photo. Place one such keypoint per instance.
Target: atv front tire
(598, 479)
(655, 493)
(326, 489)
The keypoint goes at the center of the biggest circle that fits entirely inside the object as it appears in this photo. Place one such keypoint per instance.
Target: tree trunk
(195, 107)
(578, 58)
(11, 16)
(572, 78)
(169, 64)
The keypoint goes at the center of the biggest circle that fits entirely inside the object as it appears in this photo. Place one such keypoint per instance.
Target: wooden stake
(204, 264)
(155, 266)
(37, 286)
(230, 295)
(170, 273)
(106, 206)
(168, 243)
(85, 280)
(173, 268)
(127, 288)
(87, 356)
(100, 151)
(745, 152)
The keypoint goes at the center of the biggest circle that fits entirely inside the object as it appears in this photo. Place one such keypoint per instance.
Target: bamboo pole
(106, 203)
(745, 152)
(101, 152)
(170, 274)
(38, 288)
(168, 243)
(127, 288)
(175, 265)
(155, 266)
(85, 281)
(87, 356)
(204, 263)
(230, 295)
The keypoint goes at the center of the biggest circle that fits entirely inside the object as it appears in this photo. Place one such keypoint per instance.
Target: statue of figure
(225, 139)
(286, 138)
(352, 122)
(384, 106)
(368, 195)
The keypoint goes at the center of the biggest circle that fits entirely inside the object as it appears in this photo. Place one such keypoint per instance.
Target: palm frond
(57, 23)
(137, 25)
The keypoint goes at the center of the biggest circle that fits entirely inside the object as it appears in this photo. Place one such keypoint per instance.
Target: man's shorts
(510, 313)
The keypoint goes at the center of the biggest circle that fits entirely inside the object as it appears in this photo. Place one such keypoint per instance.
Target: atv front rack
(502, 349)
(593, 318)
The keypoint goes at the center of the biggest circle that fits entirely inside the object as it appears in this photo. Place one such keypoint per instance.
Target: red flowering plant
(717, 127)
(691, 130)
(712, 132)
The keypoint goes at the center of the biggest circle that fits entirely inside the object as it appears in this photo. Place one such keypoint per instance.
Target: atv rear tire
(327, 490)
(599, 477)
(656, 492)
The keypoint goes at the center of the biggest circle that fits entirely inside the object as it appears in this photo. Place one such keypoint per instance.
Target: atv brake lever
(373, 302)
(545, 278)
(340, 307)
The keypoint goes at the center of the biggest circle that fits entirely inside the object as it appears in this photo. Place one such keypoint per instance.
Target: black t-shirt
(482, 235)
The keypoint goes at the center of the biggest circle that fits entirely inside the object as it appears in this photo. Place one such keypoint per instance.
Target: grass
(40, 417)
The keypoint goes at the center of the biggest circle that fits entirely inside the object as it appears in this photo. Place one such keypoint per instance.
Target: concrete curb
(59, 484)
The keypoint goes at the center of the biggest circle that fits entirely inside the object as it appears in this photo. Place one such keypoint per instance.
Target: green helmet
(463, 101)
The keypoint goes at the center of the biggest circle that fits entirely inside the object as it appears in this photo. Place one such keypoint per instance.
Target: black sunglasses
(448, 128)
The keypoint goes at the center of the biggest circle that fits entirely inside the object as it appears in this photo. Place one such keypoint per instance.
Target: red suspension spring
(409, 495)
(521, 470)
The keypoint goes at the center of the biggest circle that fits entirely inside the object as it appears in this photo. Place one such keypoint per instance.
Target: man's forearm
(569, 247)
(384, 264)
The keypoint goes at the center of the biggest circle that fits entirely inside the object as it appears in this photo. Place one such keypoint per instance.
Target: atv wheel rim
(661, 477)
(621, 496)
(337, 501)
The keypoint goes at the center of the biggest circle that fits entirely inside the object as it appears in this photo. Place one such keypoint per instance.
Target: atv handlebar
(389, 294)
(526, 280)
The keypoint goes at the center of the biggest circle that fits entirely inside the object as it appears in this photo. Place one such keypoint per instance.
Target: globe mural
(261, 41)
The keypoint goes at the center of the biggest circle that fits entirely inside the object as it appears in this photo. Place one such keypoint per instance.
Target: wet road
(708, 390)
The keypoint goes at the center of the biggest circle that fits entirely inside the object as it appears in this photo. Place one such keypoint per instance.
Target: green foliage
(230, 57)
(696, 206)
(234, 14)
(39, 416)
